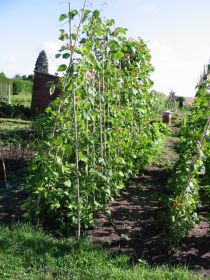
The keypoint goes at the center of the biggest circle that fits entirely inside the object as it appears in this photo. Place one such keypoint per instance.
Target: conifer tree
(41, 63)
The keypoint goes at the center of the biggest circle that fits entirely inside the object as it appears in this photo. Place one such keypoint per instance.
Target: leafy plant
(13, 111)
(101, 129)
(194, 152)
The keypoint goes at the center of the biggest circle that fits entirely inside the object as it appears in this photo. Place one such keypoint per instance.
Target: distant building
(189, 100)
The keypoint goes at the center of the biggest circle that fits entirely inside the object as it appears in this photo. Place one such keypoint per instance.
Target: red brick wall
(41, 92)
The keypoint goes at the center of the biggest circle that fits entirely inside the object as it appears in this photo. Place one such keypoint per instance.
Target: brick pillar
(41, 92)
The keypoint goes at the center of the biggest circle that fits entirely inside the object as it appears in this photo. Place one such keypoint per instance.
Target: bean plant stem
(100, 115)
(72, 50)
(104, 110)
(76, 144)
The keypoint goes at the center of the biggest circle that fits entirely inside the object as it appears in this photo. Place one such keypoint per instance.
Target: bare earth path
(133, 226)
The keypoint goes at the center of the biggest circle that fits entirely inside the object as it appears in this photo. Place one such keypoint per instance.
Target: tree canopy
(41, 63)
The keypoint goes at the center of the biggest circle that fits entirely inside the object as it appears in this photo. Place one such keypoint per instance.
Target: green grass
(26, 253)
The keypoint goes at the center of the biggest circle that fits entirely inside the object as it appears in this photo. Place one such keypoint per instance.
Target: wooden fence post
(9, 95)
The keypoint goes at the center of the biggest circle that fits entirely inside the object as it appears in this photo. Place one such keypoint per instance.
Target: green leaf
(62, 68)
(62, 17)
(83, 41)
(74, 36)
(110, 22)
(67, 183)
(72, 14)
(86, 13)
(83, 158)
(55, 205)
(57, 55)
(96, 173)
(85, 27)
(120, 30)
(118, 55)
(121, 174)
(96, 14)
(66, 55)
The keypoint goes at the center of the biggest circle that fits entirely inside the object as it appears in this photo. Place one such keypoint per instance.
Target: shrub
(13, 111)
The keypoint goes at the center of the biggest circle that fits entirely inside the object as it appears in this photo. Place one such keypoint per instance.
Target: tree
(41, 63)
(181, 101)
(2, 74)
(17, 77)
(28, 78)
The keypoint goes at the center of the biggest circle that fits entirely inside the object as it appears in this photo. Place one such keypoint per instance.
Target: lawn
(27, 253)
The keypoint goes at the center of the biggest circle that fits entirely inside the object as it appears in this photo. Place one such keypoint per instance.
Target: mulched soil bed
(11, 210)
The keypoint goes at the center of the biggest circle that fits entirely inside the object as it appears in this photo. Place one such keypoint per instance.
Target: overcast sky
(176, 31)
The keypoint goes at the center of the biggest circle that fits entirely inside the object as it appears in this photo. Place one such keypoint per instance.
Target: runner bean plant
(192, 167)
(101, 126)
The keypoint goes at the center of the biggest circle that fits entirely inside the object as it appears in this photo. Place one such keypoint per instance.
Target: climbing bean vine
(101, 124)
(192, 166)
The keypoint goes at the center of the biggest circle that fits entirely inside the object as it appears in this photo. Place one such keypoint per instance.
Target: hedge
(22, 86)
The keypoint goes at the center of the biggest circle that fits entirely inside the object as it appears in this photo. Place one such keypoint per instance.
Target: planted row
(192, 170)
(101, 129)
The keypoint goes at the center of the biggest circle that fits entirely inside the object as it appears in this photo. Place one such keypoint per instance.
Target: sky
(177, 33)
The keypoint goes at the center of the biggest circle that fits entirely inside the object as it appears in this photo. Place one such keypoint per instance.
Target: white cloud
(51, 49)
(162, 52)
(172, 70)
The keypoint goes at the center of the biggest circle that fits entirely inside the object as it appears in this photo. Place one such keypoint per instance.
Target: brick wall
(41, 96)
